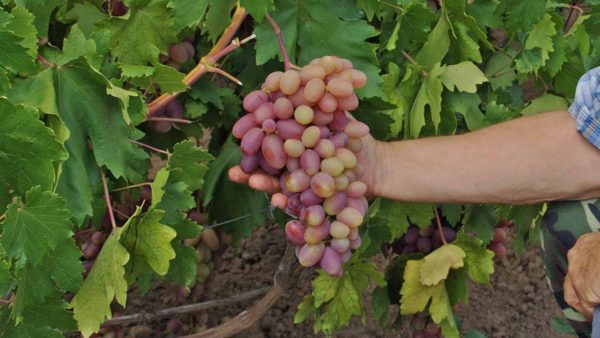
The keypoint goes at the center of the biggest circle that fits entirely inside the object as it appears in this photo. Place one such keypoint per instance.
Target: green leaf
(22, 25)
(527, 220)
(545, 103)
(500, 71)
(188, 13)
(522, 15)
(218, 17)
(9, 328)
(42, 11)
(480, 220)
(436, 47)
(133, 71)
(478, 261)
(148, 241)
(465, 76)
(14, 56)
(313, 28)
(105, 282)
(148, 30)
(192, 161)
(76, 45)
(35, 225)
(183, 269)
(305, 309)
(466, 104)
(541, 37)
(42, 85)
(430, 94)
(87, 16)
(28, 151)
(171, 194)
(169, 79)
(381, 305)
(257, 8)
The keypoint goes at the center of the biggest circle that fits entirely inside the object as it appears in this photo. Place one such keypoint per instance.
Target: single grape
(354, 145)
(346, 64)
(328, 63)
(310, 254)
(412, 235)
(341, 182)
(333, 166)
(311, 72)
(500, 235)
(294, 148)
(189, 48)
(313, 215)
(279, 200)
(335, 203)
(254, 99)
(210, 238)
(432, 328)
(264, 112)
(328, 103)
(283, 108)
(308, 198)
(249, 164)
(293, 203)
(289, 82)
(353, 235)
(295, 232)
(349, 103)
(271, 83)
(288, 129)
(449, 233)
(323, 185)
(298, 181)
(339, 139)
(356, 189)
(269, 126)
(304, 114)
(427, 231)
(340, 88)
(350, 216)
(324, 132)
(499, 249)
(252, 140)
(331, 262)
(340, 245)
(242, 126)
(316, 234)
(339, 230)
(355, 243)
(266, 167)
(310, 162)
(325, 148)
(311, 136)
(321, 118)
(340, 121)
(273, 151)
(174, 109)
(314, 90)
(97, 237)
(356, 129)
(359, 203)
(347, 157)
(178, 53)
(424, 245)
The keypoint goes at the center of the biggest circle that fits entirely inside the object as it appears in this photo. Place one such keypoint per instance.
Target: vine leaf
(437, 265)
(436, 47)
(430, 94)
(192, 161)
(478, 261)
(35, 225)
(218, 17)
(148, 242)
(187, 13)
(257, 8)
(105, 282)
(465, 76)
(148, 30)
(28, 151)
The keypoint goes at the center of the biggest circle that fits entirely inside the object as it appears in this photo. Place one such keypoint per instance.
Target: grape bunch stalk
(299, 130)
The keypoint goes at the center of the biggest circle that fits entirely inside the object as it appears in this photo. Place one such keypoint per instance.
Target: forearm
(527, 160)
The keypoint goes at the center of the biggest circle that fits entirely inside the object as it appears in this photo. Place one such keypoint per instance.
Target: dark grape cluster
(297, 128)
(173, 109)
(423, 240)
(115, 7)
(424, 327)
(179, 54)
(498, 243)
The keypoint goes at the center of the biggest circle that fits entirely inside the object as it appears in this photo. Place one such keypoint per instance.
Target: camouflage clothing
(563, 223)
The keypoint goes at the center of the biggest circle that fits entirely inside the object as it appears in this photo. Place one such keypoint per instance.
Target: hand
(582, 283)
(367, 157)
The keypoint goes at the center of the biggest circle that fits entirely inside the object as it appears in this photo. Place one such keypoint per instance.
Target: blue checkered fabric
(586, 106)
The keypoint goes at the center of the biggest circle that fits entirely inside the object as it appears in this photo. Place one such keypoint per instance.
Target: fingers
(264, 182)
(572, 298)
(237, 175)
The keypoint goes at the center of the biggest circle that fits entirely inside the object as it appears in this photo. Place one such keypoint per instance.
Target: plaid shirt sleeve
(586, 106)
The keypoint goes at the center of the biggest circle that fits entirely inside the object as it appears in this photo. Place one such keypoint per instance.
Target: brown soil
(517, 304)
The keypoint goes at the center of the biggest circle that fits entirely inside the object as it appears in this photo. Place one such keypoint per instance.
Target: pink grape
(252, 140)
(313, 215)
(310, 254)
(289, 82)
(316, 234)
(294, 148)
(269, 126)
(328, 103)
(328, 63)
(340, 245)
(241, 127)
(283, 108)
(295, 232)
(264, 112)
(323, 185)
(298, 181)
(347, 157)
(297, 99)
(339, 230)
(355, 145)
(323, 132)
(288, 129)
(335, 203)
(311, 136)
(339, 140)
(292, 164)
(273, 151)
(279, 200)
(310, 162)
(331, 262)
(178, 53)
(356, 189)
(333, 166)
(274, 96)
(349, 103)
(249, 164)
(311, 72)
(360, 203)
(350, 174)
(341, 182)
(325, 148)
(308, 197)
(350, 216)
(189, 48)
(340, 121)
(254, 99)
(346, 255)
(293, 203)
(314, 90)
(321, 118)
(304, 114)
(355, 243)
(266, 167)
(353, 235)
(340, 88)
(271, 83)
(359, 79)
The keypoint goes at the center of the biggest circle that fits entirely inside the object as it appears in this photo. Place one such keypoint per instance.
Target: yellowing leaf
(415, 296)
(479, 260)
(465, 76)
(437, 264)
(106, 281)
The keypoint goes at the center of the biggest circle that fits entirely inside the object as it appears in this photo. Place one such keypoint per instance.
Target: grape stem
(223, 73)
(150, 147)
(111, 216)
(44, 61)
(411, 60)
(219, 49)
(120, 213)
(439, 225)
(133, 186)
(287, 64)
(167, 119)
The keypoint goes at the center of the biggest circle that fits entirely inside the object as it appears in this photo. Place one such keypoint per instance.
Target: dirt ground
(518, 304)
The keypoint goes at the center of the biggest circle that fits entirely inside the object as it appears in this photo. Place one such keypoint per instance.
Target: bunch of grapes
(423, 240)
(498, 243)
(424, 327)
(298, 129)
(179, 54)
(205, 244)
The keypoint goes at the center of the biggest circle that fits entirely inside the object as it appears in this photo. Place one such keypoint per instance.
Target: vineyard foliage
(79, 85)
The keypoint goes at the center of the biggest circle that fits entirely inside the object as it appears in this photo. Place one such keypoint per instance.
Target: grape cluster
(298, 130)
(179, 54)
(423, 240)
(498, 243)
(424, 327)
